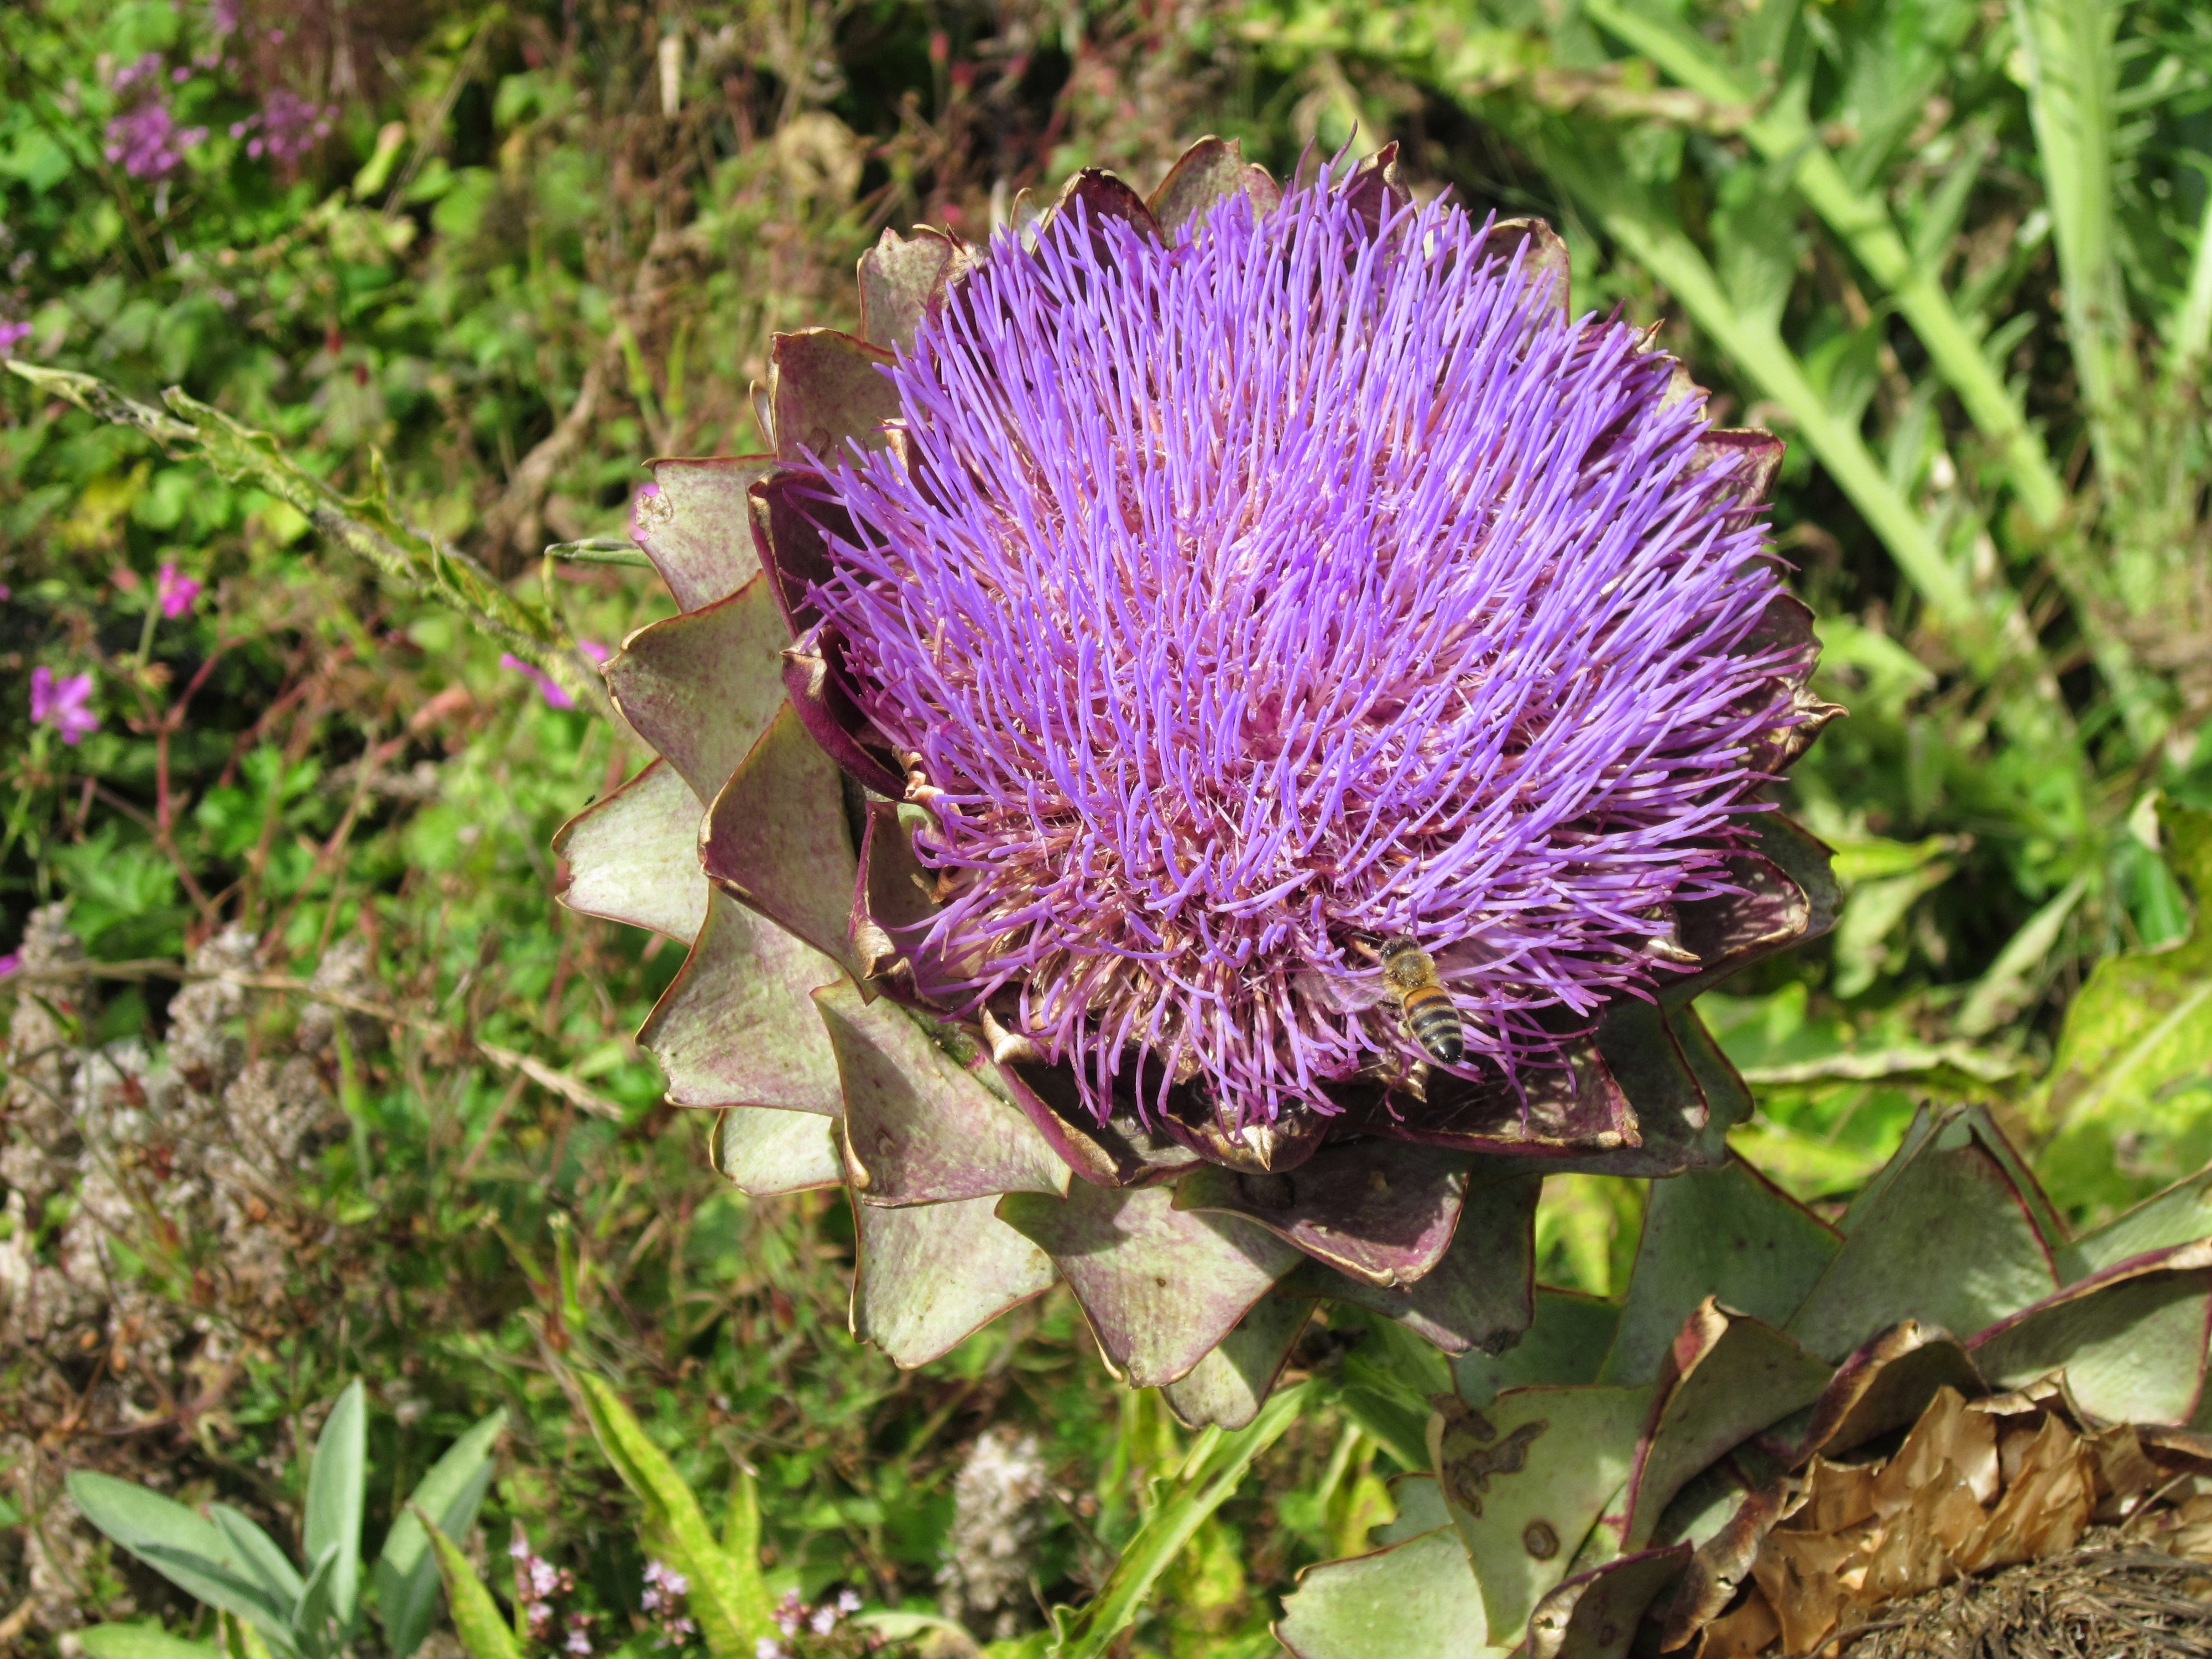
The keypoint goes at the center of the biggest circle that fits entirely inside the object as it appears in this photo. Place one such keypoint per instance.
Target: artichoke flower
(1167, 650)
(1698, 1466)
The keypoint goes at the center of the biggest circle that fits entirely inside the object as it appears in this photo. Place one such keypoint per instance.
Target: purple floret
(1253, 600)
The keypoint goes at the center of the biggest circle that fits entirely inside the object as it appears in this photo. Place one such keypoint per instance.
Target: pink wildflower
(175, 591)
(63, 704)
(11, 335)
(11, 963)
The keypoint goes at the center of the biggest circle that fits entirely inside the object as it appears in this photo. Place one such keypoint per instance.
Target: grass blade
(1215, 1469)
(477, 1618)
(728, 1596)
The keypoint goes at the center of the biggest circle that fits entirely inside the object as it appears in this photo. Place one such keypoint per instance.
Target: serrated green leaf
(477, 1618)
(337, 1478)
(729, 1598)
(405, 1579)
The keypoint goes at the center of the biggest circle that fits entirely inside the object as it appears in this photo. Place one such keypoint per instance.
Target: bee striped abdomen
(1435, 1025)
(1432, 1021)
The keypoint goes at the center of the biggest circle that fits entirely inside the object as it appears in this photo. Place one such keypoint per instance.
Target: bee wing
(1345, 996)
(1469, 956)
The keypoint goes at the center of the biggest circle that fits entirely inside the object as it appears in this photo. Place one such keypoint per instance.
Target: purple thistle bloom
(63, 703)
(175, 591)
(1239, 602)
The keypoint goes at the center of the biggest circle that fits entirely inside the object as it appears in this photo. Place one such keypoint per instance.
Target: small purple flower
(11, 335)
(548, 687)
(144, 72)
(790, 1613)
(64, 704)
(823, 1619)
(147, 141)
(768, 1648)
(288, 125)
(175, 591)
(11, 963)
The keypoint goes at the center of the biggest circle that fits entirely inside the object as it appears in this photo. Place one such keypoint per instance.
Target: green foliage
(1957, 257)
(729, 1598)
(227, 1562)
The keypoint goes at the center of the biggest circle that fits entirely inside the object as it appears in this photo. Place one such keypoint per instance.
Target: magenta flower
(175, 591)
(11, 335)
(63, 704)
(288, 126)
(147, 141)
(11, 963)
(548, 687)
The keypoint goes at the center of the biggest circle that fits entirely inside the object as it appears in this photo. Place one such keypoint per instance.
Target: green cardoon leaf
(1226, 1389)
(1945, 1200)
(405, 1578)
(932, 1274)
(919, 1128)
(701, 688)
(1381, 1211)
(634, 857)
(195, 1555)
(696, 526)
(776, 838)
(338, 1484)
(1416, 1599)
(477, 1618)
(1596, 1615)
(1741, 1376)
(1160, 1285)
(727, 1597)
(2131, 1341)
(1527, 1478)
(141, 1641)
(737, 1027)
(1478, 1296)
(764, 1153)
(1566, 1342)
(1728, 1233)
(258, 1552)
(2181, 1214)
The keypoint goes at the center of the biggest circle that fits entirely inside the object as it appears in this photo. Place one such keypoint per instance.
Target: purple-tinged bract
(1240, 601)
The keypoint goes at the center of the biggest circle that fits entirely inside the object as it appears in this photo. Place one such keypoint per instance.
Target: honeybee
(1409, 973)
